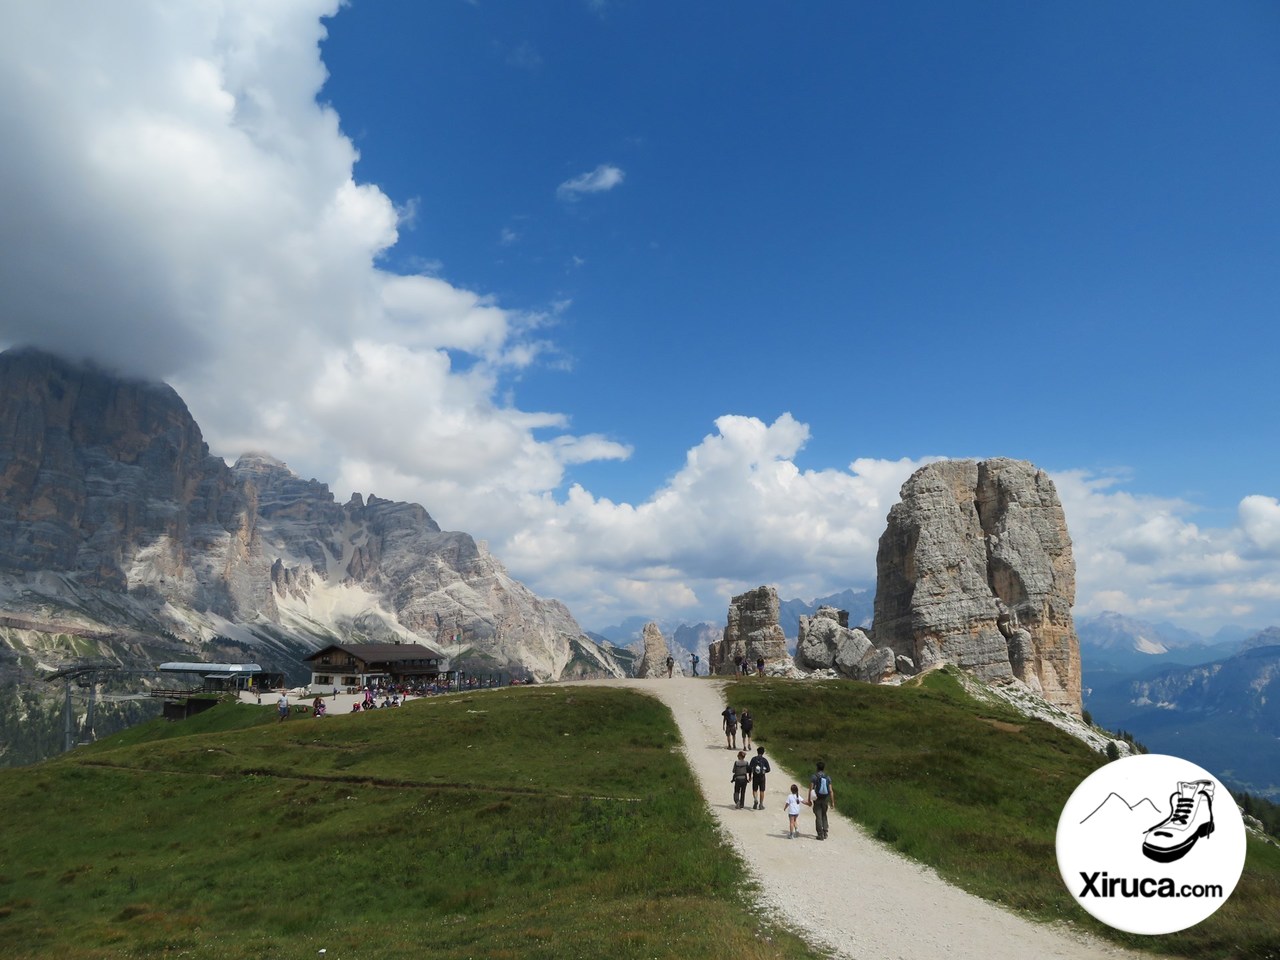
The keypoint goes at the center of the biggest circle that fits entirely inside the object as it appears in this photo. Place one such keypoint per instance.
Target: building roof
(380, 652)
(211, 669)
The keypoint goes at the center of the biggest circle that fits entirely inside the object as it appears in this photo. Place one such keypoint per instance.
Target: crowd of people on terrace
(383, 693)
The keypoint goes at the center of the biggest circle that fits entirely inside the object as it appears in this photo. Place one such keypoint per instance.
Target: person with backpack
(741, 773)
(730, 728)
(822, 795)
(759, 767)
(747, 722)
(671, 663)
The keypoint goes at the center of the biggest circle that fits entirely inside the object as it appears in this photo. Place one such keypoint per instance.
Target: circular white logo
(1150, 844)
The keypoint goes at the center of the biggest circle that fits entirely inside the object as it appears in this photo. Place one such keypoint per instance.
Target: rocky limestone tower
(653, 662)
(828, 643)
(752, 630)
(975, 568)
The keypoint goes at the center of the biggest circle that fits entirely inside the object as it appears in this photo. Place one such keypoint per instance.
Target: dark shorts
(757, 782)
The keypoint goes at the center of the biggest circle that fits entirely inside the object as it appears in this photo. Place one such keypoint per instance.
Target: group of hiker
(741, 665)
(821, 796)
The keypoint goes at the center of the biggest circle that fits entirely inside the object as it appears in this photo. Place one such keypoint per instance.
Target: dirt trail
(848, 894)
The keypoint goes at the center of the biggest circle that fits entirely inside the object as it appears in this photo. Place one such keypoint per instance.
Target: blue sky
(665, 300)
(924, 228)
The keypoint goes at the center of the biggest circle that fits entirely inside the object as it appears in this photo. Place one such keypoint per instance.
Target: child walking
(792, 805)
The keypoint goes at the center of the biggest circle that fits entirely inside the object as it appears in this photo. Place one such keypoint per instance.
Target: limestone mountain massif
(752, 631)
(975, 568)
(118, 525)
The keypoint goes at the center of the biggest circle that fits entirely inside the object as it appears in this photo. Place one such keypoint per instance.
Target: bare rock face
(975, 568)
(827, 643)
(114, 514)
(752, 631)
(653, 662)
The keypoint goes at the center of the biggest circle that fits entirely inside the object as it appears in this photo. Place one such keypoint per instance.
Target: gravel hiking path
(848, 894)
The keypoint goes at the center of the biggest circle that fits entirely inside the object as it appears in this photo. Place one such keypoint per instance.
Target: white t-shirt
(793, 805)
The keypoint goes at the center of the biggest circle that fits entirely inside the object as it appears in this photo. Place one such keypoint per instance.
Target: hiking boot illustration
(1190, 818)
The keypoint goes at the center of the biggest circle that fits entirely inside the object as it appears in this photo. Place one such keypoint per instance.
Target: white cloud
(178, 205)
(524, 56)
(1260, 520)
(739, 513)
(603, 178)
(1144, 555)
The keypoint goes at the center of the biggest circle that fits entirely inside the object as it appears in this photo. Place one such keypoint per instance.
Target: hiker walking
(792, 806)
(282, 706)
(741, 773)
(730, 729)
(747, 722)
(822, 795)
(759, 767)
(760, 666)
(693, 663)
(671, 664)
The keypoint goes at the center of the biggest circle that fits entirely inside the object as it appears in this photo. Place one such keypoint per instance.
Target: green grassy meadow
(975, 790)
(545, 821)
(531, 822)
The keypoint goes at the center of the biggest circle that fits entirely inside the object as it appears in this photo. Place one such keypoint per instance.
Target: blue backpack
(824, 785)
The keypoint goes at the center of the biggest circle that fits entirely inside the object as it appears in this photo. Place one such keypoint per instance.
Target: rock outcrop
(114, 516)
(827, 643)
(653, 662)
(975, 568)
(752, 631)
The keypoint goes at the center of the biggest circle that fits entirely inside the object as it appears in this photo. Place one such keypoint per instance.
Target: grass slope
(534, 822)
(531, 822)
(975, 790)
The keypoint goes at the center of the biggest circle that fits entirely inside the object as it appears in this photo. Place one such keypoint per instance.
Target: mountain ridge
(116, 519)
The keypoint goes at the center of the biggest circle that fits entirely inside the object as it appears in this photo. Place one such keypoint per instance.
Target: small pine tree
(1113, 752)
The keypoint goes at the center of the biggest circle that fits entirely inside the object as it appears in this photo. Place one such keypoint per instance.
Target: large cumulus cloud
(180, 205)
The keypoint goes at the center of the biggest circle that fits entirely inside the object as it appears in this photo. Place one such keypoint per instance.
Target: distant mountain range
(1213, 701)
(1111, 640)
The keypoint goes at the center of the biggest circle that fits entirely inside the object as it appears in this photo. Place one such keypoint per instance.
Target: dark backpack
(823, 787)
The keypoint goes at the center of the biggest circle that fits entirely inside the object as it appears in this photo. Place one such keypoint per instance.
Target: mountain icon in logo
(1116, 811)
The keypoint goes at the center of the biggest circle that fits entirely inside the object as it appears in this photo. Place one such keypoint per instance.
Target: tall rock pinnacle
(975, 568)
